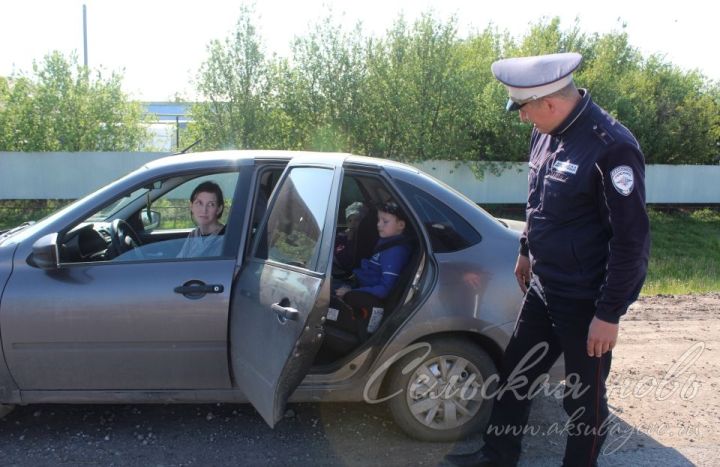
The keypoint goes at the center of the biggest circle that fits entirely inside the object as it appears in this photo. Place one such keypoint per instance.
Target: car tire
(5, 409)
(425, 406)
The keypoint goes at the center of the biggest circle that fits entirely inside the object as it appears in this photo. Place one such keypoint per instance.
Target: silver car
(97, 307)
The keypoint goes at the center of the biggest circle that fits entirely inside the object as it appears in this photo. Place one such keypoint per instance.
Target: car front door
(118, 324)
(281, 297)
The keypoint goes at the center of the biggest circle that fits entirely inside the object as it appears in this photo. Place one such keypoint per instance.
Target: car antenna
(188, 148)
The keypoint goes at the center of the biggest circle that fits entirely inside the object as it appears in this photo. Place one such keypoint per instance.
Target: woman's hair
(210, 187)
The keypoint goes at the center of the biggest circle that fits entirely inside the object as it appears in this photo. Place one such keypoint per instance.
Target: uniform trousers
(557, 325)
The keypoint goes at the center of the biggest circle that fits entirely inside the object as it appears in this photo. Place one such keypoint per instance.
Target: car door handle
(285, 312)
(199, 289)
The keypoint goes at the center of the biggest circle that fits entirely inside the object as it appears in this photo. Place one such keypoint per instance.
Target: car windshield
(111, 209)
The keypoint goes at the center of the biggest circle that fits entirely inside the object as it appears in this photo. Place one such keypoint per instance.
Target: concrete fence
(63, 175)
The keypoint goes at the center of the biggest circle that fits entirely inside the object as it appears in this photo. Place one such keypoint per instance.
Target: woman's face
(205, 209)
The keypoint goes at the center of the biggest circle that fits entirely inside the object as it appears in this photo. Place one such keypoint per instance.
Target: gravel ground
(664, 393)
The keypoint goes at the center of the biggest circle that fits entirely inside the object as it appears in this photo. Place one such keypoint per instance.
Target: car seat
(353, 319)
(366, 237)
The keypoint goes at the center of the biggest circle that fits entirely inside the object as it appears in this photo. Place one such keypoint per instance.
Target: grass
(685, 251)
(685, 254)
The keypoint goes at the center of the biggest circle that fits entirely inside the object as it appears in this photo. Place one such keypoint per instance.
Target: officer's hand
(602, 337)
(523, 272)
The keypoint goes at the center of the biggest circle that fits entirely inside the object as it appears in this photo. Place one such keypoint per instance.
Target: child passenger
(378, 274)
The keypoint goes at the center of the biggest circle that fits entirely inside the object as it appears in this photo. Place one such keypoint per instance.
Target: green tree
(671, 112)
(418, 99)
(492, 134)
(674, 114)
(323, 92)
(235, 88)
(422, 92)
(63, 106)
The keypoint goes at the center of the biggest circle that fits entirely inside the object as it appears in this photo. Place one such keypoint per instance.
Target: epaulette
(603, 134)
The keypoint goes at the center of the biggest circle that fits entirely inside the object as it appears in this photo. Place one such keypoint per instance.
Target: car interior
(341, 340)
(150, 223)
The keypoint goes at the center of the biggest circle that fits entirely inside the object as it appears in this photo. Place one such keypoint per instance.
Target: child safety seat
(351, 320)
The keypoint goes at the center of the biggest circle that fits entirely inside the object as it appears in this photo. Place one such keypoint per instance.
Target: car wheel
(438, 395)
(5, 409)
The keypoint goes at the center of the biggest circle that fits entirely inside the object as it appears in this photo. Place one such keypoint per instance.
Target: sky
(160, 44)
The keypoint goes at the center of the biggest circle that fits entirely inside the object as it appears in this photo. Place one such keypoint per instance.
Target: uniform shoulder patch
(623, 179)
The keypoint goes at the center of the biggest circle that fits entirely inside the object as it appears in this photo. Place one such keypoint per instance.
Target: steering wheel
(124, 238)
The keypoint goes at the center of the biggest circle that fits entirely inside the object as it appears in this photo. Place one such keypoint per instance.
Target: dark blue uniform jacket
(587, 226)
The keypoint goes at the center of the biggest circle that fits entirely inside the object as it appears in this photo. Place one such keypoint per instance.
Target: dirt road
(663, 390)
(666, 375)
(664, 395)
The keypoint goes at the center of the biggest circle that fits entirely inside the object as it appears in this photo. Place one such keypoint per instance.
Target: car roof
(249, 157)
(232, 157)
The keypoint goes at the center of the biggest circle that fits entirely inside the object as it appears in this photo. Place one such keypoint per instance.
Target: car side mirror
(45, 253)
(150, 220)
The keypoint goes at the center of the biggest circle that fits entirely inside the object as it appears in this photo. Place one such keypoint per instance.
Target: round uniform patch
(623, 179)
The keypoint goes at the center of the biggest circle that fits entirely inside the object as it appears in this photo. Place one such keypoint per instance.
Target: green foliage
(14, 212)
(236, 88)
(674, 114)
(422, 92)
(65, 107)
(322, 95)
(684, 254)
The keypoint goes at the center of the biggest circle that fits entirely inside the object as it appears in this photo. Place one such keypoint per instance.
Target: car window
(173, 205)
(153, 223)
(448, 230)
(350, 193)
(293, 230)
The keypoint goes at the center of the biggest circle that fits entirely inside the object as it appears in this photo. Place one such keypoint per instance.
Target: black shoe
(476, 459)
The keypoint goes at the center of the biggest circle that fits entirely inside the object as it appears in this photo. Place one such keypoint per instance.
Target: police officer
(582, 261)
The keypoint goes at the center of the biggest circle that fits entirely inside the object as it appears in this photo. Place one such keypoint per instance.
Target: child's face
(389, 225)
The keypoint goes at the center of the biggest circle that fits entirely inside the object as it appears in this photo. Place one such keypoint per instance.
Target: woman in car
(206, 207)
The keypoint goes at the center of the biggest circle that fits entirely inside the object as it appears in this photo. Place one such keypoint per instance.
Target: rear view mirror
(156, 185)
(150, 219)
(45, 253)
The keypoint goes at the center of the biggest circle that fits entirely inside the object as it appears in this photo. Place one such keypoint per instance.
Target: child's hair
(391, 207)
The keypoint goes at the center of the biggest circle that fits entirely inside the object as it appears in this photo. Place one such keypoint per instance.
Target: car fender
(9, 392)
